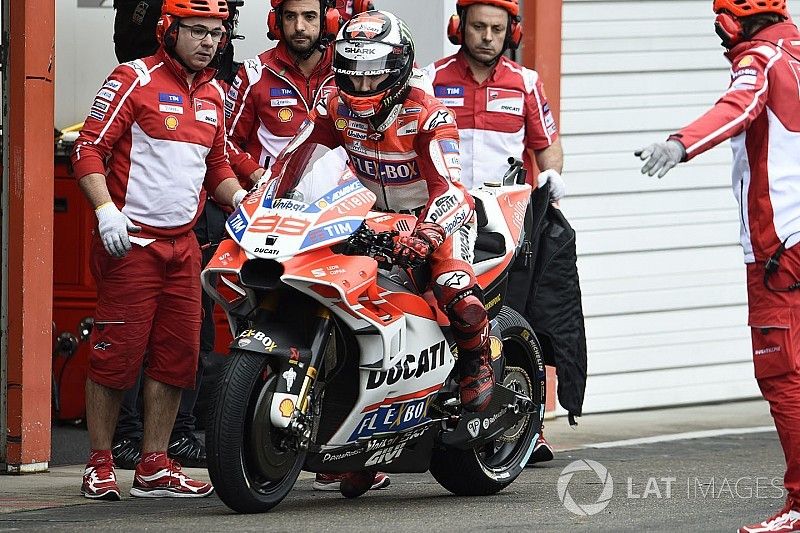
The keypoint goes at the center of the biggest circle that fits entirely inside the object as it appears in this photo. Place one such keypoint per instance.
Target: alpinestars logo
(457, 279)
(102, 346)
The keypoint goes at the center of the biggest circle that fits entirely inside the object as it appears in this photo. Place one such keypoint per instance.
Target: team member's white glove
(238, 196)
(558, 189)
(661, 157)
(114, 228)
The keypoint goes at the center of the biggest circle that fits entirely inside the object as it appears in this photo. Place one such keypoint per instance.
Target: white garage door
(661, 269)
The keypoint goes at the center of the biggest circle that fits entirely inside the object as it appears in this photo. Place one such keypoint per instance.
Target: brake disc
(516, 379)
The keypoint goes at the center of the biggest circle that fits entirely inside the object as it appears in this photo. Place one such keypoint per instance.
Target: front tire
(491, 468)
(250, 469)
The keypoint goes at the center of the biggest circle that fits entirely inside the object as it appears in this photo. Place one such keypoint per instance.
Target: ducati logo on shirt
(504, 101)
(205, 111)
(407, 125)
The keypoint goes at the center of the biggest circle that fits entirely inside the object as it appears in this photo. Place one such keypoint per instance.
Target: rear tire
(250, 471)
(493, 467)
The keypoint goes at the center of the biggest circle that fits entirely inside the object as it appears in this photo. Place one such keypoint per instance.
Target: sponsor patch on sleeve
(438, 118)
(114, 85)
(106, 94)
(97, 114)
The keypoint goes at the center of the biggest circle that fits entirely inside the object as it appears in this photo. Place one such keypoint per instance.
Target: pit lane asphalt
(715, 484)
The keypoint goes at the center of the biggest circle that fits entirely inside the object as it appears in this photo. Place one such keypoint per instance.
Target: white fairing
(425, 365)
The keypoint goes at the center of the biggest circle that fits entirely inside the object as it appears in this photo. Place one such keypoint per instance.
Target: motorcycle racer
(403, 145)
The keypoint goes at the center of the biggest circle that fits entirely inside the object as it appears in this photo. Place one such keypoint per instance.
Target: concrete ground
(718, 467)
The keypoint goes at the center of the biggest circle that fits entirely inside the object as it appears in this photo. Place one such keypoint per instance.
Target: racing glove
(418, 247)
(558, 189)
(661, 157)
(114, 228)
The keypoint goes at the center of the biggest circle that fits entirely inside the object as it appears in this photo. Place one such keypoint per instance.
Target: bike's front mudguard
(295, 354)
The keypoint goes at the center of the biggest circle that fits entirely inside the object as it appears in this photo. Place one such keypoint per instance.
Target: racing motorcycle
(341, 361)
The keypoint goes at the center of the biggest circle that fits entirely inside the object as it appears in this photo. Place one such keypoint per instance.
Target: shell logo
(286, 407)
(171, 123)
(495, 348)
(285, 114)
(746, 61)
(341, 124)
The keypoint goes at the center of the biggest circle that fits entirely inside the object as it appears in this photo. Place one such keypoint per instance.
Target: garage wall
(661, 269)
(85, 48)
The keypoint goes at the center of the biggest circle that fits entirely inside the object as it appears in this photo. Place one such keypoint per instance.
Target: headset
(455, 28)
(331, 21)
(729, 29)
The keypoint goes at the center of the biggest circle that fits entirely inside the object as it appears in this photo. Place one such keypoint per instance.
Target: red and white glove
(419, 246)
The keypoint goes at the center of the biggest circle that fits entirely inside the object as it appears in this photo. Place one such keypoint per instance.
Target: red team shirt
(760, 112)
(499, 118)
(158, 142)
(266, 104)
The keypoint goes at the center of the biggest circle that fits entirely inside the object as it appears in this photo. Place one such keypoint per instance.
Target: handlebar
(378, 245)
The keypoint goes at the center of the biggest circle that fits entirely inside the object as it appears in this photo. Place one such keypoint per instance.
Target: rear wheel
(494, 466)
(251, 469)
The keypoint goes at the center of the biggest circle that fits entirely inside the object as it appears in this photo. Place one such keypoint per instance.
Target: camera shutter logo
(585, 509)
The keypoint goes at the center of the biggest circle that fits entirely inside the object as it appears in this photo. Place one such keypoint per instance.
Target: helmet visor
(360, 58)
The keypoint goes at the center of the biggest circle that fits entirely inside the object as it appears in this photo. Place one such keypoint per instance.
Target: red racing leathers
(158, 142)
(266, 104)
(412, 165)
(760, 113)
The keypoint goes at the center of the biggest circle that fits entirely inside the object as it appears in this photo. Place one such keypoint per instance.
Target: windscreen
(311, 171)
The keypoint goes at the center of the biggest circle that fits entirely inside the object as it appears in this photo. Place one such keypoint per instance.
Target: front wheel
(492, 467)
(251, 469)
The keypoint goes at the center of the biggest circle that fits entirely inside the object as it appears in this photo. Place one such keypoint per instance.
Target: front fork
(296, 375)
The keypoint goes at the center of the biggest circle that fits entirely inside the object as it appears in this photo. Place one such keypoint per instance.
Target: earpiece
(273, 26)
(514, 34)
(167, 31)
(454, 30)
(729, 30)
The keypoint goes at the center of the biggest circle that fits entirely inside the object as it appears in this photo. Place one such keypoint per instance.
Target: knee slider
(467, 314)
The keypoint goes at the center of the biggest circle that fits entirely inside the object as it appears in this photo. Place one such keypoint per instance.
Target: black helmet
(371, 44)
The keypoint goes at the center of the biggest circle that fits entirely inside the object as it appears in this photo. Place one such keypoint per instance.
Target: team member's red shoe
(785, 520)
(100, 482)
(162, 478)
(331, 482)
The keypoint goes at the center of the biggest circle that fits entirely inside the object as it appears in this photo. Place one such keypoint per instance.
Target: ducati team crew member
(403, 145)
(500, 106)
(154, 137)
(272, 93)
(760, 113)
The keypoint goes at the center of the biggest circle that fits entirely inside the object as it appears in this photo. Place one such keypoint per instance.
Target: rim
(266, 465)
(507, 452)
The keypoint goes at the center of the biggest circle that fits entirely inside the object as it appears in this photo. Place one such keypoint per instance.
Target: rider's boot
(354, 484)
(475, 379)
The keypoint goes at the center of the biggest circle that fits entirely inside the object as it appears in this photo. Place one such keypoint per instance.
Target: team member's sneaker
(785, 520)
(332, 482)
(127, 453)
(188, 450)
(100, 481)
(162, 478)
(542, 451)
